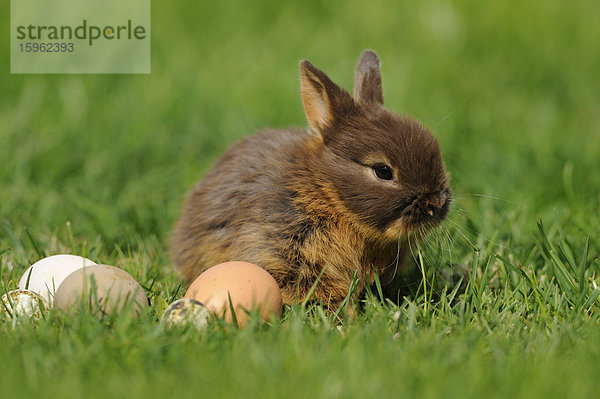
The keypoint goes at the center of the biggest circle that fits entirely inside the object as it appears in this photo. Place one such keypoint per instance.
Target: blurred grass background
(510, 88)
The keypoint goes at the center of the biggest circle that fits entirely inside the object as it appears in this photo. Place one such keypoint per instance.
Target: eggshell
(23, 303)
(251, 289)
(186, 311)
(46, 275)
(114, 288)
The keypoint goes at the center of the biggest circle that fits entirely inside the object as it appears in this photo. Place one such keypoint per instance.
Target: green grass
(98, 165)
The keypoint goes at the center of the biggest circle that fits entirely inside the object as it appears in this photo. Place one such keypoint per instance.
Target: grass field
(98, 165)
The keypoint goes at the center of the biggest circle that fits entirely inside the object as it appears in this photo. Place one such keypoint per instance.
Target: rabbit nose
(436, 203)
(431, 207)
(427, 208)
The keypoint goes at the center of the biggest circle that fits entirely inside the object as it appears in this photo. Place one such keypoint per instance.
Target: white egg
(23, 303)
(46, 275)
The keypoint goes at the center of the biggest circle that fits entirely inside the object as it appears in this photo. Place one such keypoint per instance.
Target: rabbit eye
(383, 172)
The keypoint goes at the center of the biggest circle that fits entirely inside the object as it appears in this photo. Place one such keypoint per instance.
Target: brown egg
(251, 289)
(114, 288)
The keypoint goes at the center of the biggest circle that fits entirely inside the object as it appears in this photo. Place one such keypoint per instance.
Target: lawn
(502, 303)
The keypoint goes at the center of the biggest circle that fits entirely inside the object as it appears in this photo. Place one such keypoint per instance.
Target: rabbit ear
(367, 78)
(319, 96)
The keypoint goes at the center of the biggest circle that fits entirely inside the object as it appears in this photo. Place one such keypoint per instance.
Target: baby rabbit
(336, 201)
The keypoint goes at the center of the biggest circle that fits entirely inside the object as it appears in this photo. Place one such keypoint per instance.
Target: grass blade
(379, 289)
(583, 265)
(234, 320)
(41, 254)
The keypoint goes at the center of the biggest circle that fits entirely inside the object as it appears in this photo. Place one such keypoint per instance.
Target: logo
(69, 36)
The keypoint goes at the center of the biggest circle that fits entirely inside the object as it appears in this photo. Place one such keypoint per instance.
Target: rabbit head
(387, 170)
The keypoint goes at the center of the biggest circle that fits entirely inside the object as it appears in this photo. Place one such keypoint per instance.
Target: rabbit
(320, 206)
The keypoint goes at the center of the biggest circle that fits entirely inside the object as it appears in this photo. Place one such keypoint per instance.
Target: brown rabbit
(336, 201)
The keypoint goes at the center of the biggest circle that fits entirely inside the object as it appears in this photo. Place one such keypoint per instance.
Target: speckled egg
(251, 289)
(23, 303)
(186, 311)
(45, 276)
(103, 289)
